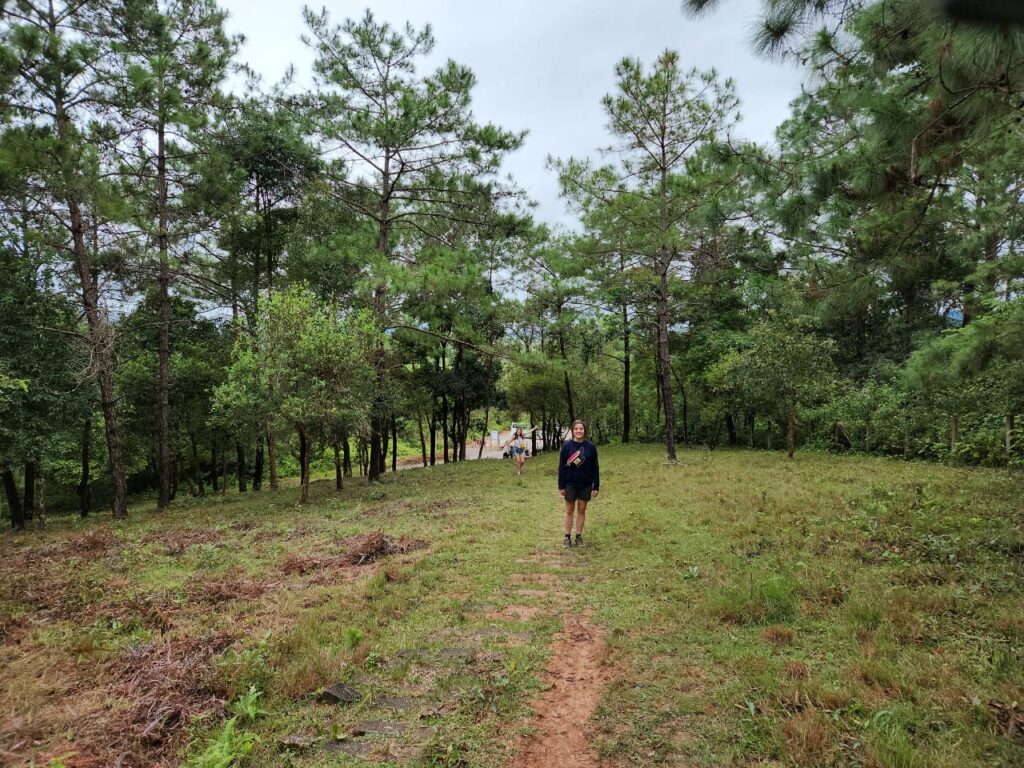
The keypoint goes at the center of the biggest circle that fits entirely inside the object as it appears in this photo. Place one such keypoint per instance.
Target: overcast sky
(543, 65)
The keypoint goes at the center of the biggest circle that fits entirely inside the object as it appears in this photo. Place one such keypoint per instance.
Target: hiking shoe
(579, 539)
(567, 542)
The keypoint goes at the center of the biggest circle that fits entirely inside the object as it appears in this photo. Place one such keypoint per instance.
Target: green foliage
(899, 204)
(246, 708)
(227, 749)
(7, 384)
(781, 369)
(45, 397)
(304, 365)
(238, 671)
(352, 637)
(448, 755)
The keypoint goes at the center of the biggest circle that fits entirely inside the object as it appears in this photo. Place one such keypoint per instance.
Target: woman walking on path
(518, 443)
(579, 479)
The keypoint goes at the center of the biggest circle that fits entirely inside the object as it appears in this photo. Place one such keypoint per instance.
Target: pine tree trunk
(163, 387)
(664, 264)
(752, 420)
(197, 465)
(346, 455)
(791, 433)
(240, 466)
(374, 454)
(17, 511)
(163, 453)
(272, 457)
(100, 343)
(487, 407)
(444, 427)
(658, 410)
(713, 439)
(666, 362)
(444, 401)
(394, 444)
(463, 431)
(257, 465)
(213, 469)
(457, 406)
(533, 437)
(565, 370)
(337, 465)
(464, 410)
(464, 434)
(627, 422)
(686, 409)
(100, 334)
(40, 513)
(304, 465)
(235, 325)
(453, 429)
(84, 486)
(423, 438)
(433, 431)
(29, 503)
(730, 426)
(377, 418)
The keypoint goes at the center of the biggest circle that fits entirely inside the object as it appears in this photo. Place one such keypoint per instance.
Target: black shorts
(574, 492)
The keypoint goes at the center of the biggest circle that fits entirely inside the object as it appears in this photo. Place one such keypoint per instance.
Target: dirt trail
(576, 677)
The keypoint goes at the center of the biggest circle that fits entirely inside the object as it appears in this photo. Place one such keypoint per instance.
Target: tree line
(204, 286)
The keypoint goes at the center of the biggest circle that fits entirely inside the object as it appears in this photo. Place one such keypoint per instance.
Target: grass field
(827, 611)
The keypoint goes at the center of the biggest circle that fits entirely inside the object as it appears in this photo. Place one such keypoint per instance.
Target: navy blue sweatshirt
(577, 465)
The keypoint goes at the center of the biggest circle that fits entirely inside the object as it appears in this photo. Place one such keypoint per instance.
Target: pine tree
(55, 73)
(411, 141)
(173, 57)
(660, 121)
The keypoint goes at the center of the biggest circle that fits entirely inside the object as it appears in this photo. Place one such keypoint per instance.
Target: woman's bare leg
(581, 516)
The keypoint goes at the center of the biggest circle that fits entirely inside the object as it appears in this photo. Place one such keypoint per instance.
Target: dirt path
(576, 677)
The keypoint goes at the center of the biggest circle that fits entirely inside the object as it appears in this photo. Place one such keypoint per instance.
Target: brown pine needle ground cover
(830, 611)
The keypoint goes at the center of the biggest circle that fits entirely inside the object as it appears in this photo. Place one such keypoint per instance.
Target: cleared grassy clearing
(828, 611)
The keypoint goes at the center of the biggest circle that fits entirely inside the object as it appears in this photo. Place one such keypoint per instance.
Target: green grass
(827, 611)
